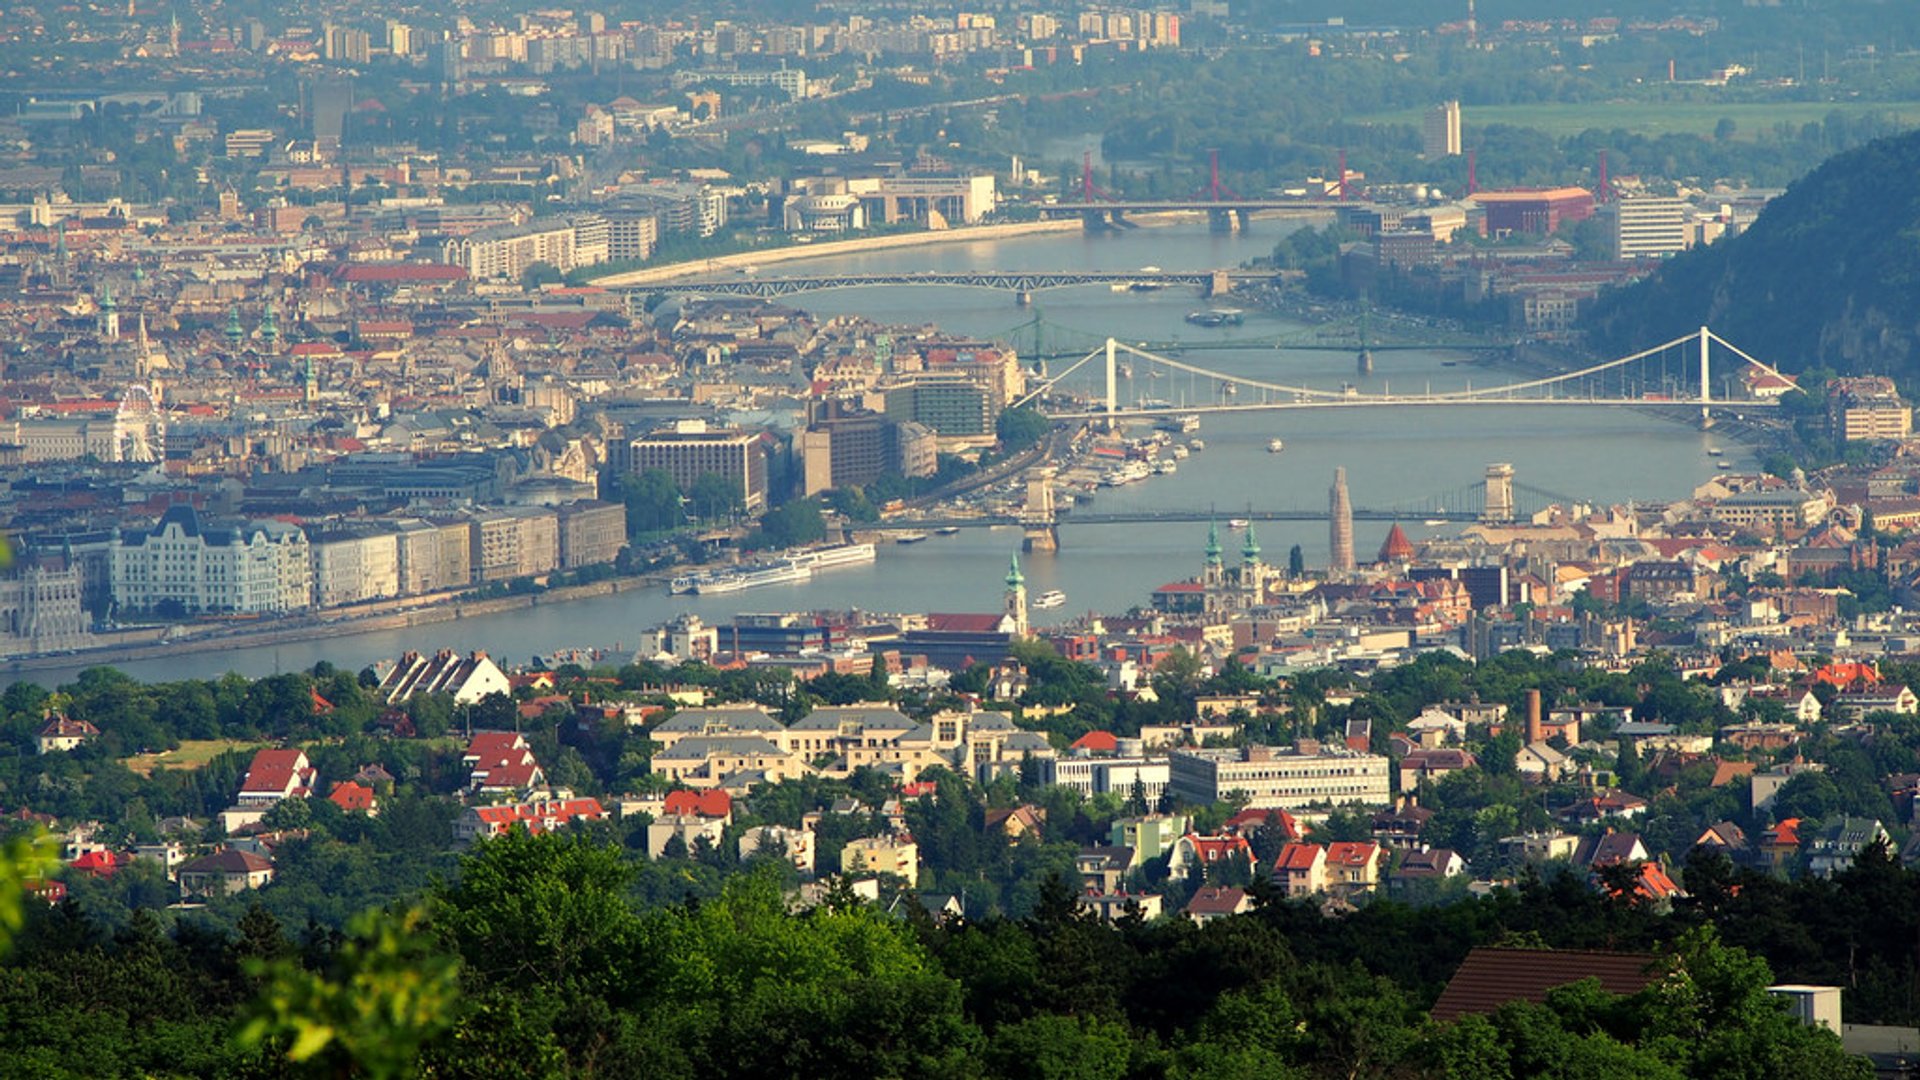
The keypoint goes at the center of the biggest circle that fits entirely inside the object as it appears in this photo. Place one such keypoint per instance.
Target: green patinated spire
(235, 332)
(1213, 543)
(269, 326)
(1251, 552)
(1015, 578)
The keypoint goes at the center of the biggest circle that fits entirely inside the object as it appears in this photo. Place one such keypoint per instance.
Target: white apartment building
(353, 565)
(506, 251)
(1649, 227)
(1289, 778)
(261, 567)
(432, 556)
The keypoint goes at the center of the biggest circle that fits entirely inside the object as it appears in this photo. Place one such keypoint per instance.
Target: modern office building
(1289, 778)
(690, 450)
(1649, 227)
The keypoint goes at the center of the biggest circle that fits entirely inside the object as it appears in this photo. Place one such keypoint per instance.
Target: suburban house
(1835, 846)
(899, 856)
(1104, 867)
(276, 775)
(1198, 854)
(354, 798)
(1212, 902)
(535, 817)
(1431, 765)
(795, 845)
(223, 873)
(501, 763)
(1353, 867)
(1301, 869)
(63, 733)
(1433, 864)
(1112, 907)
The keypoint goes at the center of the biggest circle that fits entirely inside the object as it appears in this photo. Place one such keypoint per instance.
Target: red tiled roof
(350, 796)
(1490, 978)
(1250, 819)
(1297, 857)
(711, 803)
(1352, 853)
(1099, 742)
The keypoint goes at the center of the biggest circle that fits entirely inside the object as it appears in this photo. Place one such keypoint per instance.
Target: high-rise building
(1440, 130)
(1340, 524)
(1649, 227)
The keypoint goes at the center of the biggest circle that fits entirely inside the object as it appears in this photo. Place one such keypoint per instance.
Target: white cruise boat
(778, 573)
(822, 558)
(1274, 446)
(1052, 598)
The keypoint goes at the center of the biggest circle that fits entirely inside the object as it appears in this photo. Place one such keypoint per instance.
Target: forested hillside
(1828, 276)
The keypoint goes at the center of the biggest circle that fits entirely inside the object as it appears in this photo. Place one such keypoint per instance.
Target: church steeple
(1016, 607)
(1213, 543)
(1251, 551)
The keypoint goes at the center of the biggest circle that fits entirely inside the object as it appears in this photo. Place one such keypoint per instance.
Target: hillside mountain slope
(1829, 275)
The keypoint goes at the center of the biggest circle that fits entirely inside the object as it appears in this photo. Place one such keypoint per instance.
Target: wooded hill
(1828, 276)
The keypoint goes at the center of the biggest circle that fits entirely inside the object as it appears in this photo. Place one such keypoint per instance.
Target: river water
(1393, 456)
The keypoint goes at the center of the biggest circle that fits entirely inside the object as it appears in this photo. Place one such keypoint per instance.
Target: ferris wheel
(139, 427)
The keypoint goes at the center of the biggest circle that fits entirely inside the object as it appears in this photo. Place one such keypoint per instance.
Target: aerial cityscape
(1225, 538)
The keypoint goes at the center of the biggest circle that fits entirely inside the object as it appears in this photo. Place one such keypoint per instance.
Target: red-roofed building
(354, 798)
(1097, 742)
(276, 775)
(502, 763)
(1246, 821)
(1301, 869)
(1193, 854)
(535, 817)
(64, 733)
(706, 803)
(1353, 866)
(100, 863)
(1843, 674)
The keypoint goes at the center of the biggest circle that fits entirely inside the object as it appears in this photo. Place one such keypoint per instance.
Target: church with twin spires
(1227, 589)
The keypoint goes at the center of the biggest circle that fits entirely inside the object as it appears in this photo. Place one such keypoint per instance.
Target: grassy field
(1659, 118)
(192, 754)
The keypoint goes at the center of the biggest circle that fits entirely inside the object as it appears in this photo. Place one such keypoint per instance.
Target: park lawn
(1653, 118)
(191, 754)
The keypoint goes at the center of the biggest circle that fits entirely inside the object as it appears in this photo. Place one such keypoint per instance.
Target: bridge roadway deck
(1148, 517)
(1148, 206)
(1365, 400)
(1008, 280)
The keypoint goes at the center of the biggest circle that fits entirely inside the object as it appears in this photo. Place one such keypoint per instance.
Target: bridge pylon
(1038, 519)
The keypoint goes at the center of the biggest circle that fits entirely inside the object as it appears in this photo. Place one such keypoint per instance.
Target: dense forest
(537, 960)
(1828, 276)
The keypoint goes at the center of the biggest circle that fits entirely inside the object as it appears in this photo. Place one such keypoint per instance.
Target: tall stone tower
(1340, 524)
(1499, 505)
(1016, 613)
(1253, 574)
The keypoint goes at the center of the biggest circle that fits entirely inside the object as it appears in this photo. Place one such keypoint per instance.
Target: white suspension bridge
(1676, 373)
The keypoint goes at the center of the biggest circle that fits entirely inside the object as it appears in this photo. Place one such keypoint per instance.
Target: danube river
(1392, 456)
